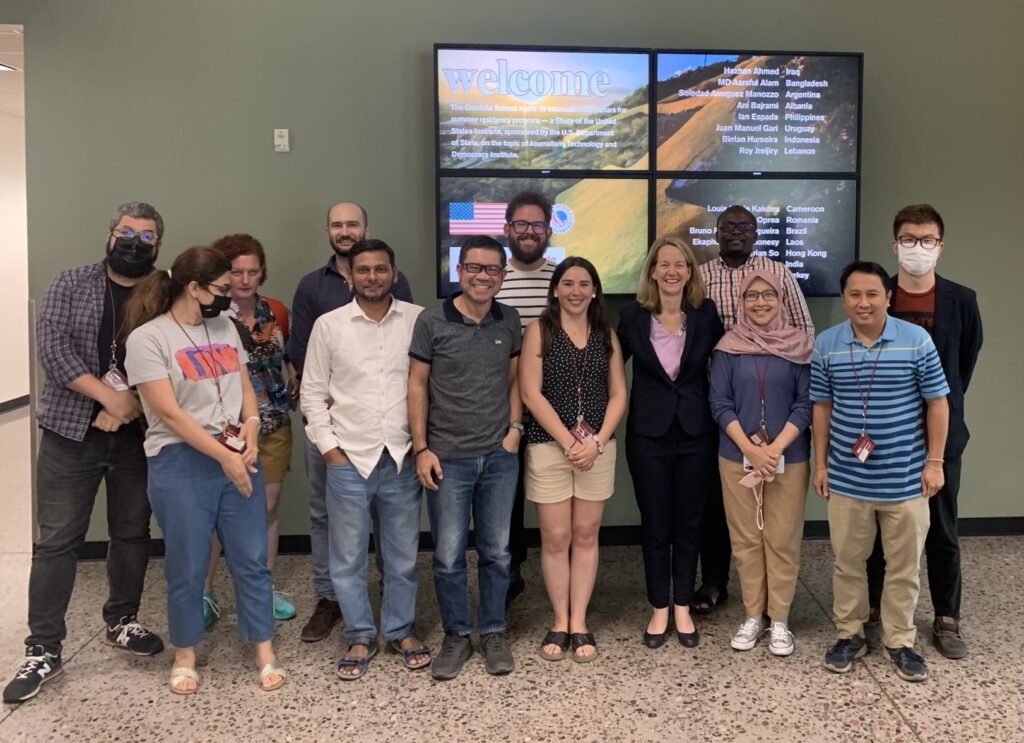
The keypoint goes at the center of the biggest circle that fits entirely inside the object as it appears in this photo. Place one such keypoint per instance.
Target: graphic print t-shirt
(195, 363)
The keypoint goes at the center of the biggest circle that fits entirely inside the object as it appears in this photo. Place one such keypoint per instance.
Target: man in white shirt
(354, 388)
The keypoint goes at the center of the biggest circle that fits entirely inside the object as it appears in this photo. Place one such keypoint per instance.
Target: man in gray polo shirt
(464, 415)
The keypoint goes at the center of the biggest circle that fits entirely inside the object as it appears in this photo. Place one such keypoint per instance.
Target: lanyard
(113, 328)
(762, 380)
(213, 365)
(582, 372)
(865, 396)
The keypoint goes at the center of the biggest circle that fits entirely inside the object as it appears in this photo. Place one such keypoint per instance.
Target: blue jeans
(319, 529)
(191, 496)
(484, 487)
(396, 495)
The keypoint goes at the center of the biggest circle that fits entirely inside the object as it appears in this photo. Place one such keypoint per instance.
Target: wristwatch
(517, 425)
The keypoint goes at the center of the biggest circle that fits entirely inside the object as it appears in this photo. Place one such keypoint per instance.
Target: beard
(528, 250)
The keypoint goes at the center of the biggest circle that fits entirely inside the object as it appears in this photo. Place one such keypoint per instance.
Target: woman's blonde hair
(647, 293)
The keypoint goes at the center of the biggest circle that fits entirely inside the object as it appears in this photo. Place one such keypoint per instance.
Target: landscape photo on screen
(602, 219)
(810, 225)
(542, 110)
(726, 112)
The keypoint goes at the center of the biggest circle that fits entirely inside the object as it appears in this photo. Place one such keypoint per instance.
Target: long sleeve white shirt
(355, 383)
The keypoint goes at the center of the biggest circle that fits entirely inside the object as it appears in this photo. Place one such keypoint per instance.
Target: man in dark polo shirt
(320, 291)
(464, 415)
(949, 312)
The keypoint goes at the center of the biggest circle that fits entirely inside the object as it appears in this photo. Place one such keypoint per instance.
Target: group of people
(175, 388)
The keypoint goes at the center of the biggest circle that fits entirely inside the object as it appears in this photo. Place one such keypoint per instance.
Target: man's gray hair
(139, 210)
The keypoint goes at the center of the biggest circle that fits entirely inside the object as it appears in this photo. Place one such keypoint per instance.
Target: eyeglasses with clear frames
(147, 236)
(491, 269)
(909, 241)
(520, 226)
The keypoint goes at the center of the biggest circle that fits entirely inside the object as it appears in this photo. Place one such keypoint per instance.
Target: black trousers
(715, 547)
(673, 477)
(68, 474)
(941, 547)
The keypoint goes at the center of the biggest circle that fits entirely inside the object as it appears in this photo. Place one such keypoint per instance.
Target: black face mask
(214, 308)
(130, 257)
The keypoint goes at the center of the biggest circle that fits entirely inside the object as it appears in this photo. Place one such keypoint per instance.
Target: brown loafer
(947, 638)
(326, 614)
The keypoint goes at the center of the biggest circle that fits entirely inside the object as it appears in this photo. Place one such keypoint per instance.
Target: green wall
(174, 103)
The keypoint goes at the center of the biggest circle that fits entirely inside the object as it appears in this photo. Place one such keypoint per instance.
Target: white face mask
(917, 261)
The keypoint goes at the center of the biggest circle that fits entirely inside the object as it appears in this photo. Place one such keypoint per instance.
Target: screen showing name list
(505, 109)
(757, 112)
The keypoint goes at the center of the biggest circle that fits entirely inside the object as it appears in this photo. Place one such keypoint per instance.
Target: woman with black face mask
(190, 369)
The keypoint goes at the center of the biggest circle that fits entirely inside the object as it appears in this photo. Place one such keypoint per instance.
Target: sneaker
(38, 668)
(211, 610)
(455, 650)
(840, 656)
(326, 614)
(497, 656)
(781, 642)
(909, 665)
(283, 608)
(947, 638)
(516, 585)
(873, 629)
(133, 637)
(747, 635)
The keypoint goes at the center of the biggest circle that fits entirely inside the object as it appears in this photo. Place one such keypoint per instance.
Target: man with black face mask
(91, 432)
(525, 287)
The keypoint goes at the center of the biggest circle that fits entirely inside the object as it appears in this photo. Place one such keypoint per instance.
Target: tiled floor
(631, 693)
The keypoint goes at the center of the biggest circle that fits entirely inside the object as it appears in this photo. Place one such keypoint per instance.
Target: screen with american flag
(476, 217)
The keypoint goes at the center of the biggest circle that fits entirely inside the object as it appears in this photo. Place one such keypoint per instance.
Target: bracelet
(253, 418)
(931, 459)
(600, 446)
(419, 451)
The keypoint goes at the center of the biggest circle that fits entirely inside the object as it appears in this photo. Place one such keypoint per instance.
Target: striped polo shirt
(723, 285)
(527, 291)
(908, 371)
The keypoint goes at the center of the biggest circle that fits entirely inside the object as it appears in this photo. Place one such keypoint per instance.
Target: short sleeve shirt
(468, 413)
(196, 361)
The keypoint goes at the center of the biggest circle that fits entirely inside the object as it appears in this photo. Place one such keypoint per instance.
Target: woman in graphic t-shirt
(201, 444)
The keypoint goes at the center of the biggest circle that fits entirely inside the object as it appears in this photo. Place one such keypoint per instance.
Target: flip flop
(359, 663)
(707, 598)
(561, 639)
(409, 653)
(271, 669)
(582, 639)
(179, 674)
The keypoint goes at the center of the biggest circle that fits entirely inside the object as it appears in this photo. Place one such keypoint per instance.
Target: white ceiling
(12, 84)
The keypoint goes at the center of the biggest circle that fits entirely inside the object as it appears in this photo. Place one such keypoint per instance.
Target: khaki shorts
(551, 479)
(276, 453)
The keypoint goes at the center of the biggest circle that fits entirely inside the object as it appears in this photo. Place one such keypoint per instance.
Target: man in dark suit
(949, 312)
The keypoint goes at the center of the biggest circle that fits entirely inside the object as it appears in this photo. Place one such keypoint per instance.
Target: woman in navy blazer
(671, 438)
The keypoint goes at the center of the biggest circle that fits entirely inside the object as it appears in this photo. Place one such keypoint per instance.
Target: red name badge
(582, 431)
(231, 437)
(760, 437)
(863, 447)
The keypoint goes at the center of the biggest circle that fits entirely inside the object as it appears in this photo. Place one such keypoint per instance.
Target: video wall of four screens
(778, 132)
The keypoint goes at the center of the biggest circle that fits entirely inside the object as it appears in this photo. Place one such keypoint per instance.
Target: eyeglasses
(147, 236)
(222, 289)
(909, 241)
(768, 295)
(520, 226)
(741, 226)
(491, 269)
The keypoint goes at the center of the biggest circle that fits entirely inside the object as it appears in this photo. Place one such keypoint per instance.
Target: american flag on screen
(476, 217)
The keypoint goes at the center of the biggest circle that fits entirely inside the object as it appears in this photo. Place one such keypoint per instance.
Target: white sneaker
(747, 635)
(781, 641)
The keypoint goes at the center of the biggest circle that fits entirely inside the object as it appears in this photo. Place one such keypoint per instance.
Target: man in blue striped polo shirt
(877, 461)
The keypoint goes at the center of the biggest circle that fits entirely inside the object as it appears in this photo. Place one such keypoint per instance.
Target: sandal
(411, 652)
(561, 639)
(581, 640)
(272, 669)
(358, 662)
(707, 598)
(179, 674)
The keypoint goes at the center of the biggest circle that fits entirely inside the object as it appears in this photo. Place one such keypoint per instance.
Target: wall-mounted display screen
(542, 110)
(634, 144)
(809, 225)
(757, 112)
(602, 219)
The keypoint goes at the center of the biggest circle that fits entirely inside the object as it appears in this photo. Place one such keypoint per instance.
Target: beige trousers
(852, 523)
(767, 561)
